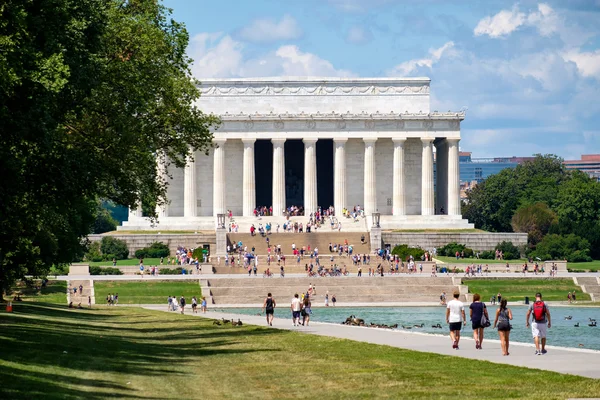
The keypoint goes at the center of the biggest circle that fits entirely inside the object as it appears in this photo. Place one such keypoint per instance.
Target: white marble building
(382, 134)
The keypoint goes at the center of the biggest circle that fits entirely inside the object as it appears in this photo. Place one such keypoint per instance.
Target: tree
(578, 209)
(92, 93)
(492, 204)
(535, 220)
(568, 247)
(104, 221)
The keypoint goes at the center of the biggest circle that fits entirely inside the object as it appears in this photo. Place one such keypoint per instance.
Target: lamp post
(376, 217)
(221, 221)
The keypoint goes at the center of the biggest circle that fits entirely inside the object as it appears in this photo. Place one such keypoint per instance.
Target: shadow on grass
(45, 347)
(17, 383)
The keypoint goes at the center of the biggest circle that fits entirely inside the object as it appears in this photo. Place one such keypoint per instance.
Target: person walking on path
(502, 321)
(540, 323)
(203, 305)
(333, 299)
(296, 306)
(306, 311)
(269, 307)
(182, 304)
(194, 305)
(455, 318)
(327, 299)
(477, 309)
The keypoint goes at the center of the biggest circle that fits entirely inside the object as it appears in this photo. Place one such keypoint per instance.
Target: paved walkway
(558, 359)
(317, 279)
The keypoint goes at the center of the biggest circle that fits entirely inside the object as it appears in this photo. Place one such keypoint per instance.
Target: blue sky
(528, 71)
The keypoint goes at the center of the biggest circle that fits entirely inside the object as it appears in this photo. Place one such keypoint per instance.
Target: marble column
(310, 176)
(427, 198)
(398, 184)
(249, 182)
(453, 178)
(161, 175)
(441, 175)
(135, 213)
(219, 177)
(339, 176)
(278, 177)
(189, 188)
(370, 181)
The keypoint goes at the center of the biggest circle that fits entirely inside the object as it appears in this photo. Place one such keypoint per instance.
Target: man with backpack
(539, 323)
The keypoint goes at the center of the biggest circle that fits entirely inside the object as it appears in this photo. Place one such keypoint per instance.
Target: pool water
(562, 333)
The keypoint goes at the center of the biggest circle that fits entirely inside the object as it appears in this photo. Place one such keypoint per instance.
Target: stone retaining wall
(477, 241)
(135, 242)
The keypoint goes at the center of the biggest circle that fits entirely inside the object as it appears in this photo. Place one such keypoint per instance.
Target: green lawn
(53, 352)
(54, 292)
(552, 289)
(161, 231)
(593, 266)
(152, 292)
(132, 261)
(439, 230)
(453, 260)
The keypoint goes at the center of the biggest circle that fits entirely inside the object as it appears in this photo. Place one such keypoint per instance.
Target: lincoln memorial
(370, 143)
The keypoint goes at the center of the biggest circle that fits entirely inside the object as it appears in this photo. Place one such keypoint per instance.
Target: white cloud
(358, 35)
(296, 63)
(408, 67)
(588, 63)
(220, 56)
(501, 24)
(269, 30)
(507, 21)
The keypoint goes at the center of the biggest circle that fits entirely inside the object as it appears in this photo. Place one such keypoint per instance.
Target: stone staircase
(319, 240)
(80, 297)
(347, 289)
(590, 286)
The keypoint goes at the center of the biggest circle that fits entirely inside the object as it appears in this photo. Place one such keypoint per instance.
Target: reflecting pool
(563, 331)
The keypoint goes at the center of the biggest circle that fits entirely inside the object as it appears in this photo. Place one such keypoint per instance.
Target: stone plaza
(368, 143)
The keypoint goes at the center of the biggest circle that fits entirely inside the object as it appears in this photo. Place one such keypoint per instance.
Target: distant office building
(477, 169)
(589, 163)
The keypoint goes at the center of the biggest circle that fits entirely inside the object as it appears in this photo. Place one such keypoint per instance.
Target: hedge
(403, 252)
(155, 250)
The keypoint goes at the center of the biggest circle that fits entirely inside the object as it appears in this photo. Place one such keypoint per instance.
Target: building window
(389, 201)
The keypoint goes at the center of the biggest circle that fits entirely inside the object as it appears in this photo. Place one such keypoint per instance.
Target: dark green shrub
(199, 253)
(403, 252)
(487, 255)
(95, 270)
(169, 271)
(155, 250)
(114, 246)
(558, 247)
(59, 270)
(450, 250)
(509, 250)
(94, 253)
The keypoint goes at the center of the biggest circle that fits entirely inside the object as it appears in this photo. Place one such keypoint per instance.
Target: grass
(553, 289)
(132, 261)
(155, 292)
(58, 353)
(154, 232)
(54, 292)
(439, 230)
(592, 266)
(453, 260)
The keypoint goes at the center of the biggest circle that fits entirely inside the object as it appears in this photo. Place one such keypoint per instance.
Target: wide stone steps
(355, 290)
(588, 281)
(347, 289)
(318, 240)
(284, 300)
(80, 296)
(332, 281)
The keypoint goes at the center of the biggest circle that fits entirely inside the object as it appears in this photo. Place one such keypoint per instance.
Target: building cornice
(314, 87)
(455, 116)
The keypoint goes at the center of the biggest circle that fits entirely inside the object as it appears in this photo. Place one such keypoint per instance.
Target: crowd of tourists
(538, 317)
